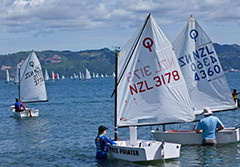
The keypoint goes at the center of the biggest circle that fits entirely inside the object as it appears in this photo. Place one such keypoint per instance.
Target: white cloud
(44, 16)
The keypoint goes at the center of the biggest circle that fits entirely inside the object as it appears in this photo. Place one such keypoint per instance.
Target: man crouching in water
(208, 126)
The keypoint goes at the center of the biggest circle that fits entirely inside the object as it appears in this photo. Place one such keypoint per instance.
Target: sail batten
(32, 84)
(201, 69)
(151, 88)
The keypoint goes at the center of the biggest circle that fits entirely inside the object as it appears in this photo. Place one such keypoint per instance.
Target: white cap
(207, 111)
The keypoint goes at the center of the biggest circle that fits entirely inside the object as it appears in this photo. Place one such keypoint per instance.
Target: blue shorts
(101, 156)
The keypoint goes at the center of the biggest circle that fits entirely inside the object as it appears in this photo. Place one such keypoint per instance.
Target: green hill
(64, 62)
(98, 61)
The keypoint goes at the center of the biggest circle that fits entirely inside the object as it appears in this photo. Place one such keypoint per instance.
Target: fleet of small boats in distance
(57, 76)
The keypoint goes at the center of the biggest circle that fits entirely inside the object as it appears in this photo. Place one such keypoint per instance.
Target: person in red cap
(101, 142)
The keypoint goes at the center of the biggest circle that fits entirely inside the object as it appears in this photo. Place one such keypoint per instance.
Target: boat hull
(144, 150)
(227, 135)
(24, 114)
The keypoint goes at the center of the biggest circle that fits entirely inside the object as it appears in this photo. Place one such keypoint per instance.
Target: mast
(120, 77)
(19, 83)
(115, 111)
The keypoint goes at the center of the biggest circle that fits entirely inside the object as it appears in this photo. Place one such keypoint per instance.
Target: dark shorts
(19, 110)
(209, 142)
(101, 156)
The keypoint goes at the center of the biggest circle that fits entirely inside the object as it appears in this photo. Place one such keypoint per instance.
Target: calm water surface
(64, 132)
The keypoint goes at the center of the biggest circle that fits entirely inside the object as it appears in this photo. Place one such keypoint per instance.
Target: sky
(77, 25)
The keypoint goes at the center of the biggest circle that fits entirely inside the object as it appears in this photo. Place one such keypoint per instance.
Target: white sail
(113, 75)
(53, 76)
(97, 75)
(32, 84)
(46, 75)
(63, 77)
(80, 75)
(74, 76)
(16, 79)
(7, 76)
(151, 88)
(88, 75)
(102, 75)
(58, 77)
(202, 70)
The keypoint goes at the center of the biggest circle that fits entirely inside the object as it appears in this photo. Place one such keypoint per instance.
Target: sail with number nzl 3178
(31, 85)
(206, 83)
(149, 90)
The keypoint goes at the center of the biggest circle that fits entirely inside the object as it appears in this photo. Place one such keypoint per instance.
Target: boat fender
(149, 144)
(140, 144)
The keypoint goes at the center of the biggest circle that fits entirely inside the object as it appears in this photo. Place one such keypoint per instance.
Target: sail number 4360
(209, 72)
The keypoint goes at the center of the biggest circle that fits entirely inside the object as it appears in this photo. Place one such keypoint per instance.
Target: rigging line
(131, 53)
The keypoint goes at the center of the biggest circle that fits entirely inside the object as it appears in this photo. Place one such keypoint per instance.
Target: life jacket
(234, 96)
(100, 144)
(18, 106)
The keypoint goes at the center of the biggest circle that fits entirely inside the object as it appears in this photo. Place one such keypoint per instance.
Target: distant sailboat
(53, 76)
(31, 85)
(16, 79)
(46, 75)
(7, 76)
(97, 75)
(88, 75)
(63, 77)
(80, 75)
(58, 77)
(74, 76)
(102, 75)
(93, 75)
(113, 75)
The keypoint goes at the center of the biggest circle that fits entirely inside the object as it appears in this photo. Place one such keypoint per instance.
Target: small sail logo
(194, 34)
(148, 43)
(123, 119)
(31, 64)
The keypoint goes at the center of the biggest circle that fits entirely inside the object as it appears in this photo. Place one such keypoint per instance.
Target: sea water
(64, 132)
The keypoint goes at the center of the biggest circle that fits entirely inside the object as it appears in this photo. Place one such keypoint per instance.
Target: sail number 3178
(160, 80)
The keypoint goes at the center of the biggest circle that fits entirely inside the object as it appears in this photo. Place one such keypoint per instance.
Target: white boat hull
(227, 135)
(24, 114)
(144, 150)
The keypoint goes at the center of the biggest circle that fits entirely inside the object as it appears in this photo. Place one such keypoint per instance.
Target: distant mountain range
(98, 61)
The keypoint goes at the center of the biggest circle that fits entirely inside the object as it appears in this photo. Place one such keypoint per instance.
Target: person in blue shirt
(208, 126)
(101, 142)
(19, 105)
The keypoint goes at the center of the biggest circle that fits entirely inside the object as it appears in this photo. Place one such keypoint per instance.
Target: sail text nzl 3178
(146, 78)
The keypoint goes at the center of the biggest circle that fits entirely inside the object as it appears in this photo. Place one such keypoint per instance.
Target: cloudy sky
(93, 24)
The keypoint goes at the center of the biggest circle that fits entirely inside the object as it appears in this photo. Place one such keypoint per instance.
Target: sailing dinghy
(148, 92)
(31, 85)
(46, 75)
(88, 75)
(206, 83)
(7, 76)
